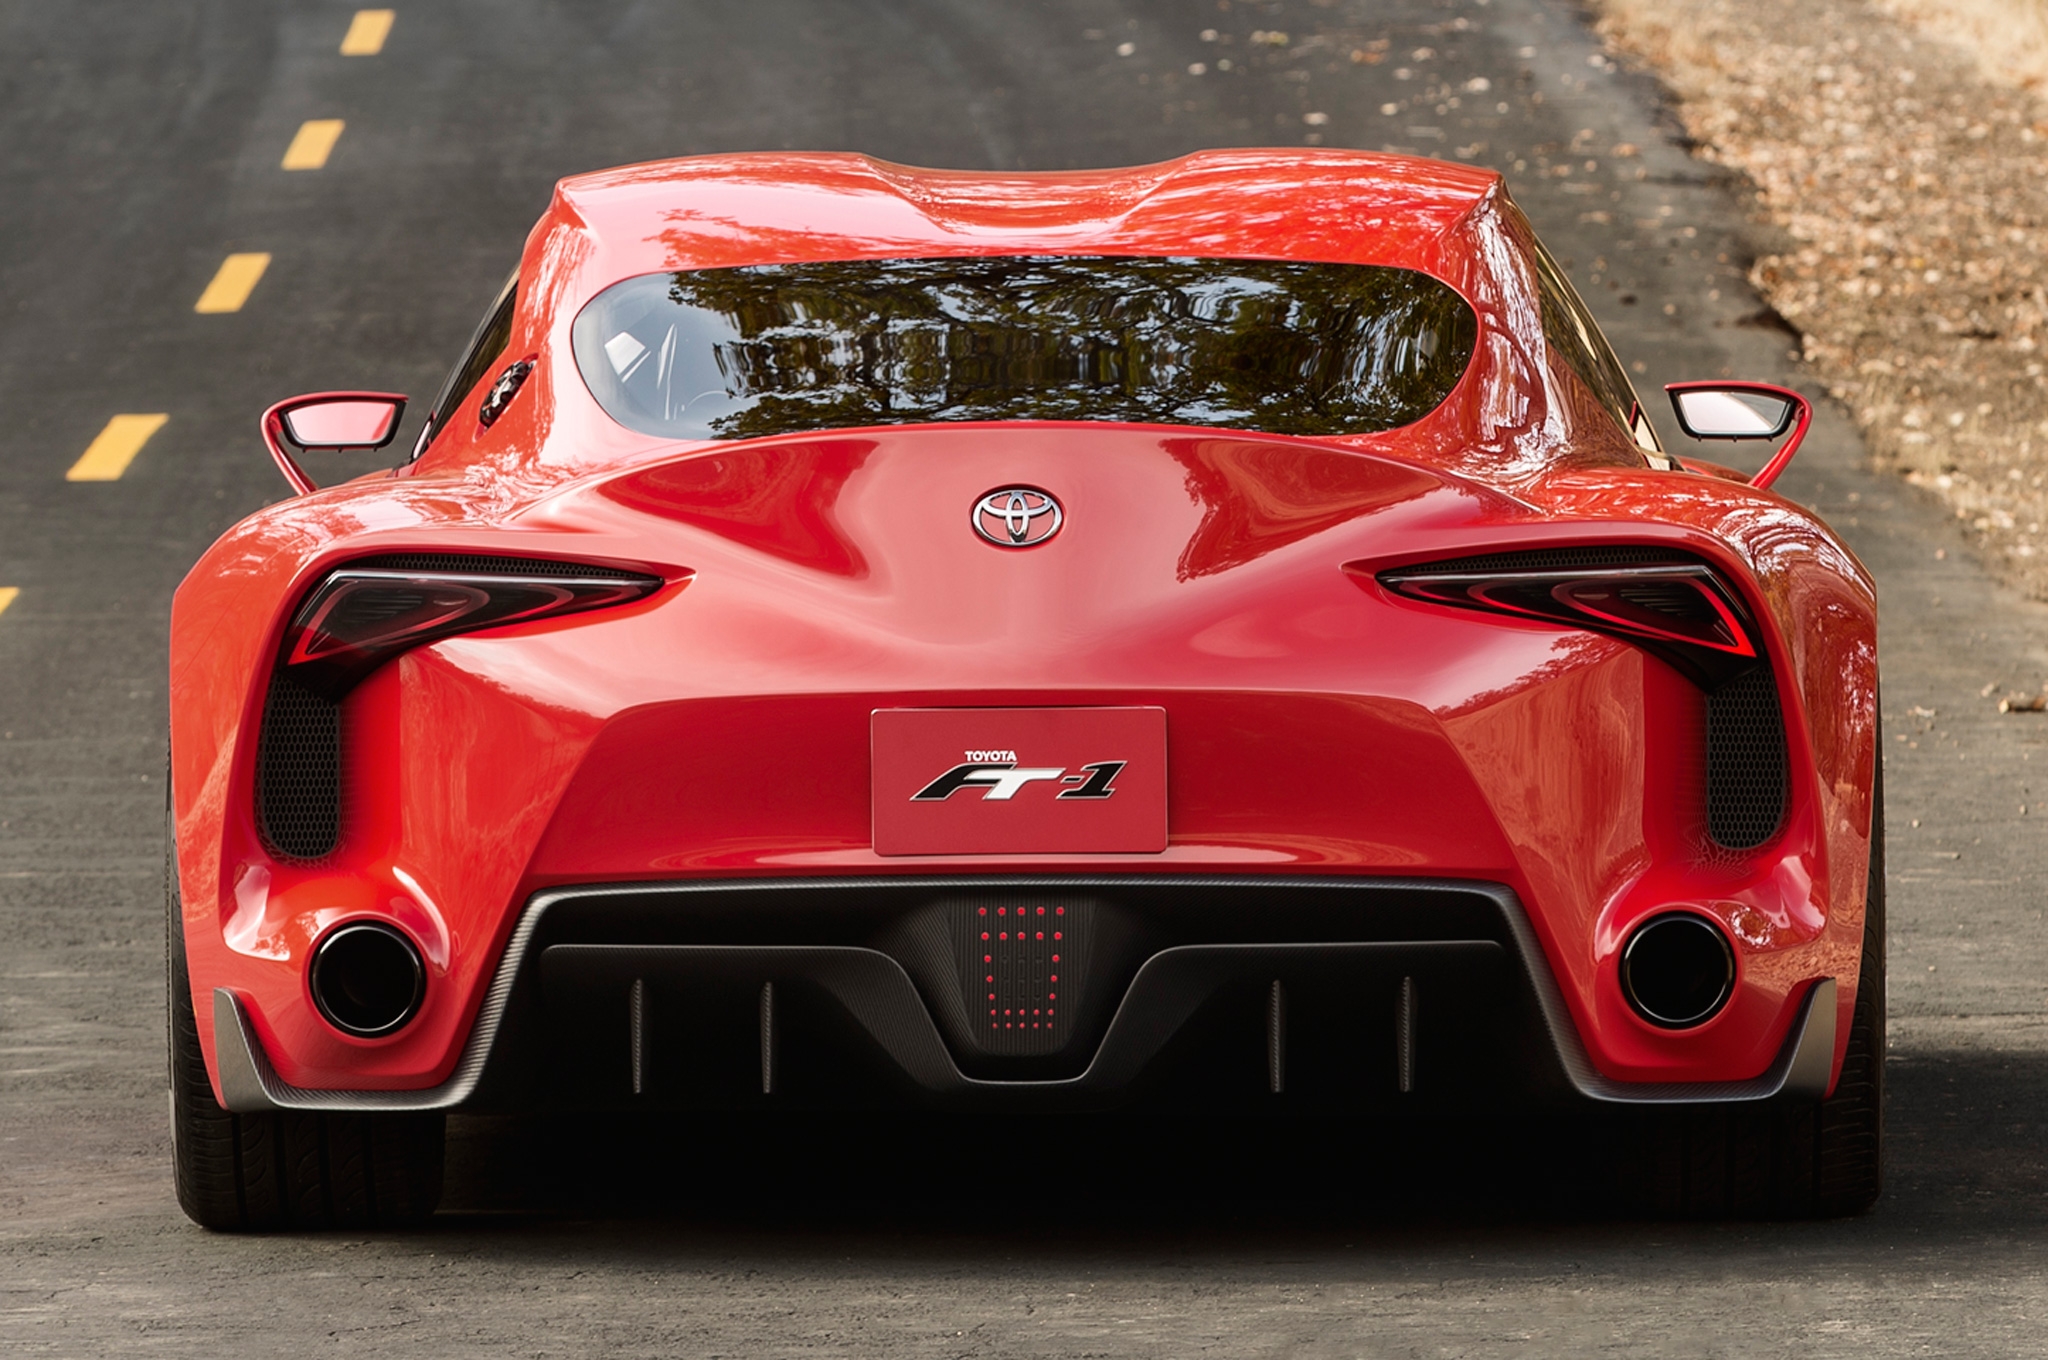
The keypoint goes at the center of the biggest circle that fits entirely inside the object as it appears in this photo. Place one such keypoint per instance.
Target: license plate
(1025, 781)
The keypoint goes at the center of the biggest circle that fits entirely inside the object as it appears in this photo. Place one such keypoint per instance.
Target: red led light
(1041, 911)
(1002, 934)
(1048, 1010)
(1052, 996)
(1055, 958)
(1000, 911)
(981, 911)
(987, 958)
(1061, 911)
(984, 934)
(1055, 977)
(1056, 935)
(991, 996)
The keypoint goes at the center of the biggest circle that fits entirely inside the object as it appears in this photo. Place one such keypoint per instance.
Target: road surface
(141, 146)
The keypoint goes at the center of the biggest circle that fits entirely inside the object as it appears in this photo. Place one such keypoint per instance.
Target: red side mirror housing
(1743, 410)
(329, 420)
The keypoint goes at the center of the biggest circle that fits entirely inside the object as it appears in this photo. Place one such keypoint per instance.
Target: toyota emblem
(1017, 517)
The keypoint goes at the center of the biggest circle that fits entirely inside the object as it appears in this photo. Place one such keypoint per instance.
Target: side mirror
(1722, 410)
(329, 420)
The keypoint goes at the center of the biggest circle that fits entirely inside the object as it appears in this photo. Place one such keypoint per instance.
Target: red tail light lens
(357, 618)
(1682, 611)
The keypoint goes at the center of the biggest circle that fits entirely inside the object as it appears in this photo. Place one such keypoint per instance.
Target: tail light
(359, 617)
(1680, 609)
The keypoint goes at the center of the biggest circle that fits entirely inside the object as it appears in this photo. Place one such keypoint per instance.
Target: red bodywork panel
(1026, 781)
(1315, 723)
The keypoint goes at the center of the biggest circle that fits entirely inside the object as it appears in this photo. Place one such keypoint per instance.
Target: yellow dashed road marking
(232, 283)
(314, 144)
(108, 456)
(366, 33)
(7, 594)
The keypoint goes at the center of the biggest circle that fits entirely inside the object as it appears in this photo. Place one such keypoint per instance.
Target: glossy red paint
(1043, 780)
(1318, 723)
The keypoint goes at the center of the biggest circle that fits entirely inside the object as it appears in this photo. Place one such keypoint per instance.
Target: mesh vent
(497, 566)
(1745, 761)
(1555, 559)
(298, 772)
(298, 754)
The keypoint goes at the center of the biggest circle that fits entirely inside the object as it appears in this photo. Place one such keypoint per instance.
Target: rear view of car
(851, 637)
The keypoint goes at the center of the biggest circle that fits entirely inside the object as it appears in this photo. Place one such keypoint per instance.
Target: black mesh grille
(1745, 760)
(298, 755)
(1746, 763)
(498, 566)
(1554, 559)
(298, 772)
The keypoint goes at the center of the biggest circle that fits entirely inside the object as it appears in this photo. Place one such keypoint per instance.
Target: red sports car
(1221, 634)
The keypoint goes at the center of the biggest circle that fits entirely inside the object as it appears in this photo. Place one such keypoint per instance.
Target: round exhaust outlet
(368, 979)
(1677, 970)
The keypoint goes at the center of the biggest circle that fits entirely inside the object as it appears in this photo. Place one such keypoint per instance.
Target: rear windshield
(1282, 346)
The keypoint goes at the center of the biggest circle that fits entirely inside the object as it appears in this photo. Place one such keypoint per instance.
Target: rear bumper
(1255, 993)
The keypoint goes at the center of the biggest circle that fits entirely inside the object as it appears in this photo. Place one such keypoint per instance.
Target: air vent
(1746, 778)
(1556, 559)
(1746, 775)
(499, 566)
(298, 772)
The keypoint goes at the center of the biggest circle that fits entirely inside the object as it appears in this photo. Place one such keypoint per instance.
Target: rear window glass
(1281, 346)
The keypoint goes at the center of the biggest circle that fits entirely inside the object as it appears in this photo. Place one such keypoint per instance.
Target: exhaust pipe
(1677, 970)
(368, 979)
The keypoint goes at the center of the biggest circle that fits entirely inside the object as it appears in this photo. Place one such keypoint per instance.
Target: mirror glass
(1711, 414)
(342, 424)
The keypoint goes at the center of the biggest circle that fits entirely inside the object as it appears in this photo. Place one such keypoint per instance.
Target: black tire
(1750, 1161)
(295, 1169)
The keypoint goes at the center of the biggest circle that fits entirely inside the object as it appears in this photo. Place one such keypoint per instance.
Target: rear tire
(284, 1169)
(1765, 1161)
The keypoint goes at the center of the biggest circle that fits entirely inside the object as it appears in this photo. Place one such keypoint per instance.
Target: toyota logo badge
(1017, 517)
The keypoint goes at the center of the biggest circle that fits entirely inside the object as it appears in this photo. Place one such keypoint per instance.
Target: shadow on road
(1965, 1128)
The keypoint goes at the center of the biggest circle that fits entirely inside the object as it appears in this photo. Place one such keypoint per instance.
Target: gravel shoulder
(1904, 211)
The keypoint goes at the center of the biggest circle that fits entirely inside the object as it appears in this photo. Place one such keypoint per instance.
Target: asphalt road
(140, 145)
